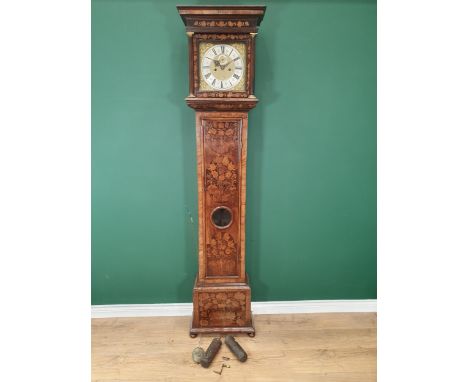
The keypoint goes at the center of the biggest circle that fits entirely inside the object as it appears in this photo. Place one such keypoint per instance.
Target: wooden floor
(334, 347)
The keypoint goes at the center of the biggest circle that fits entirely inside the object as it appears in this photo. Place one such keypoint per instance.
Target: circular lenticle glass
(221, 217)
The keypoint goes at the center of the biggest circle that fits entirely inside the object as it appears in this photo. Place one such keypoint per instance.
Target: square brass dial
(240, 47)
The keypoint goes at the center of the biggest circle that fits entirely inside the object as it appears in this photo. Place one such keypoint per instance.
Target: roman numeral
(207, 75)
(238, 68)
(206, 66)
(221, 84)
(214, 81)
(222, 48)
(214, 51)
(236, 76)
(236, 59)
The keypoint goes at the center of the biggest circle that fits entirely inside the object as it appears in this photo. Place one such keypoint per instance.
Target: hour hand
(225, 65)
(217, 63)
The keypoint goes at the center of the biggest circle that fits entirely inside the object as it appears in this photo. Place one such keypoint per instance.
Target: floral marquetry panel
(222, 157)
(222, 307)
(221, 154)
(222, 163)
(222, 254)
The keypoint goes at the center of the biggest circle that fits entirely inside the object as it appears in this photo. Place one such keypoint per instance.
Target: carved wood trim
(238, 18)
(221, 23)
(216, 104)
(190, 49)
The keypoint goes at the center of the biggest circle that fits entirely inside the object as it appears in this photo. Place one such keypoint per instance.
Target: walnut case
(221, 294)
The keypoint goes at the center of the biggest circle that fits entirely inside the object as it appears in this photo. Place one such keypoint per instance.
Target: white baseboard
(261, 307)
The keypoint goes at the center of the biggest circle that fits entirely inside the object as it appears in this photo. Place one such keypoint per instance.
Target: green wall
(311, 199)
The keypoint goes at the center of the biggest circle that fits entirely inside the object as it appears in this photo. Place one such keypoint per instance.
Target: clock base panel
(221, 308)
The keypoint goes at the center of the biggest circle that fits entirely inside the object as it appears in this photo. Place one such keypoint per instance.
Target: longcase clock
(221, 42)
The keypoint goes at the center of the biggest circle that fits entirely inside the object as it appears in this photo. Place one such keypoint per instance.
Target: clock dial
(222, 67)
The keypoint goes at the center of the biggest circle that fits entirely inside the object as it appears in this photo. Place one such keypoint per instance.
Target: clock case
(221, 25)
(221, 294)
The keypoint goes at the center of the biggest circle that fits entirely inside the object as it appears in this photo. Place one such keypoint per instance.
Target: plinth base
(221, 308)
(250, 330)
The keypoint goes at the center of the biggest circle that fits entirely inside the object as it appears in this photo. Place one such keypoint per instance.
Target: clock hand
(224, 66)
(216, 62)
